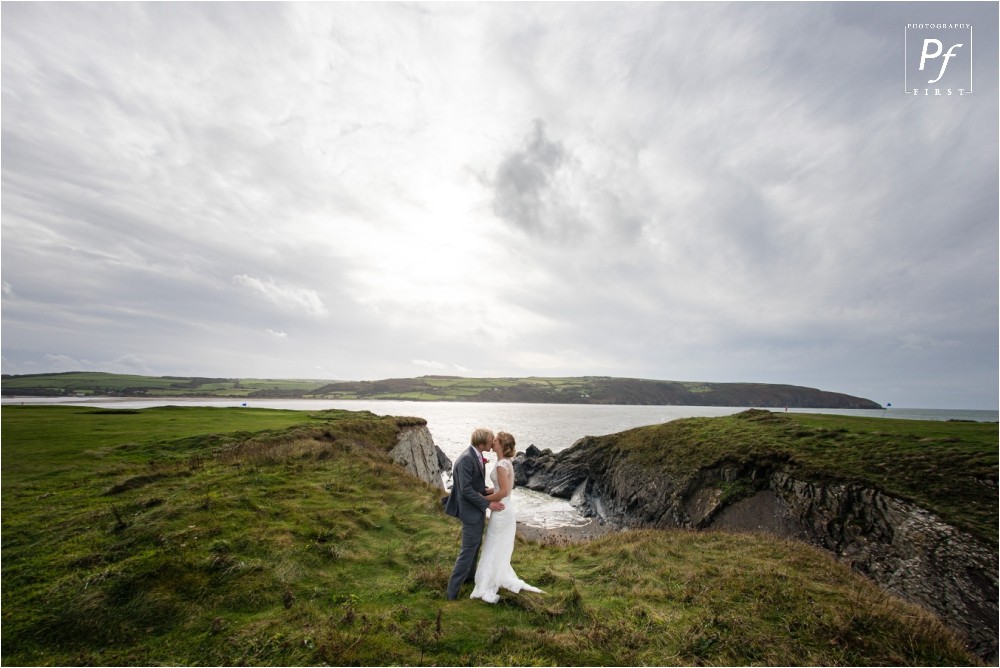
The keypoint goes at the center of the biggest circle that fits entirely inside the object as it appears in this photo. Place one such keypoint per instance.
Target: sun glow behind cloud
(672, 190)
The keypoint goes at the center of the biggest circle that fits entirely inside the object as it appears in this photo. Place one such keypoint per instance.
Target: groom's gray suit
(468, 504)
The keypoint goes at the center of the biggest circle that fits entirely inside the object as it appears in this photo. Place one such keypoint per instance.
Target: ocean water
(552, 426)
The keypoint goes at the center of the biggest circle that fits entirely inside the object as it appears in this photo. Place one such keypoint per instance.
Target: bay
(552, 426)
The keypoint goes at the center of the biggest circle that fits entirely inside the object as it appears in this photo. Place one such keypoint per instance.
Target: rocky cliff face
(416, 451)
(905, 549)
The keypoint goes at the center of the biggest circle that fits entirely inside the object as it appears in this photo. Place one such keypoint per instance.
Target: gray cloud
(705, 191)
(524, 193)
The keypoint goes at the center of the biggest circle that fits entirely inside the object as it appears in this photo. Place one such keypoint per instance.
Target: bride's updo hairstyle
(507, 441)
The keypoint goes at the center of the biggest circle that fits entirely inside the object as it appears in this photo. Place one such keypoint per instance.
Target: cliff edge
(914, 512)
(416, 452)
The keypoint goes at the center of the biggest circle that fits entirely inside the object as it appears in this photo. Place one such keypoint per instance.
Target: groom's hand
(496, 506)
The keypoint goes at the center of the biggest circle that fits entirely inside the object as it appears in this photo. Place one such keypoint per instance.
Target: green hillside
(204, 536)
(584, 390)
(116, 385)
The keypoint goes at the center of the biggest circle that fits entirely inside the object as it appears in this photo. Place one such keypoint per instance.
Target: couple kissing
(485, 561)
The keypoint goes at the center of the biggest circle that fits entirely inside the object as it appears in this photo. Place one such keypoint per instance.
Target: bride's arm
(504, 484)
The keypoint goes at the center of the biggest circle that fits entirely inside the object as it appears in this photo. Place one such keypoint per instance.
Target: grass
(949, 468)
(452, 388)
(69, 436)
(592, 389)
(95, 383)
(235, 536)
(429, 388)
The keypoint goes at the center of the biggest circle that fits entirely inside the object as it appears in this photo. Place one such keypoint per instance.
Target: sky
(718, 192)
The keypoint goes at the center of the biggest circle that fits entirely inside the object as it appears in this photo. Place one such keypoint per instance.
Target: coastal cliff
(188, 535)
(416, 452)
(649, 478)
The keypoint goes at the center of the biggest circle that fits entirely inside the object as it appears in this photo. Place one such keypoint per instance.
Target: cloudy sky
(679, 191)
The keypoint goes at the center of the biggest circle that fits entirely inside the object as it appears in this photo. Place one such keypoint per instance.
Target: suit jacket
(468, 482)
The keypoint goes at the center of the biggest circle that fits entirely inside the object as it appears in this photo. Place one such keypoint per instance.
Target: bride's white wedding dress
(494, 570)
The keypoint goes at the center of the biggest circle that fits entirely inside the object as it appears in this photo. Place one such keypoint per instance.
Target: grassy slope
(227, 536)
(428, 388)
(949, 468)
(93, 383)
(598, 390)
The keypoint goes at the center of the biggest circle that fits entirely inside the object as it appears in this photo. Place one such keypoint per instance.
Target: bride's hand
(489, 490)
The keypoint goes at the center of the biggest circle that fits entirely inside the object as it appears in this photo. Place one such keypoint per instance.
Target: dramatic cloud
(523, 182)
(689, 191)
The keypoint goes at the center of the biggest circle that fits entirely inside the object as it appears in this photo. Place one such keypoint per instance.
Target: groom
(466, 502)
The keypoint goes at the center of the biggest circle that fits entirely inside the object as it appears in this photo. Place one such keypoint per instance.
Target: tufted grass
(203, 536)
(949, 468)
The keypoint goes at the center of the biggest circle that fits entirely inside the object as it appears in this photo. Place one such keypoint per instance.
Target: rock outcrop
(905, 549)
(416, 451)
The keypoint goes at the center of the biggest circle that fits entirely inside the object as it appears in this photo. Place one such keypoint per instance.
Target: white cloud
(287, 297)
(56, 362)
(705, 191)
(127, 364)
(427, 364)
(130, 364)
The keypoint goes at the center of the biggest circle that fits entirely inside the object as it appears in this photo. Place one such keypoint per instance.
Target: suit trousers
(465, 565)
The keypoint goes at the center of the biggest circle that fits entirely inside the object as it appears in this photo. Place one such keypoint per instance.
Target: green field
(199, 536)
(109, 384)
(428, 388)
(581, 390)
(449, 388)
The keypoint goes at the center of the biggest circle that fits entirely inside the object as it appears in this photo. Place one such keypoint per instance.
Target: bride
(494, 570)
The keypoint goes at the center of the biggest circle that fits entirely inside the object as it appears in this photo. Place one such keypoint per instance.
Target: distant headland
(579, 390)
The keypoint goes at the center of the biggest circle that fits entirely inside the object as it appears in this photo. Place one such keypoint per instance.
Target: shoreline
(568, 535)
(900, 413)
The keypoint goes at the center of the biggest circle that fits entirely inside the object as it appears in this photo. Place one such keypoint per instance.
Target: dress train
(494, 570)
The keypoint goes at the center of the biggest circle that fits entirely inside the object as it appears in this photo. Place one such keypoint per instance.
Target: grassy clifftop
(222, 536)
(949, 468)
(584, 390)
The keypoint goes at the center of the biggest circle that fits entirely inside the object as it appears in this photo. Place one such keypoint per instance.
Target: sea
(546, 426)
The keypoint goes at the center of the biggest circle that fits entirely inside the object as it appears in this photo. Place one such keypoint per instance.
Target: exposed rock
(905, 549)
(416, 451)
(443, 462)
